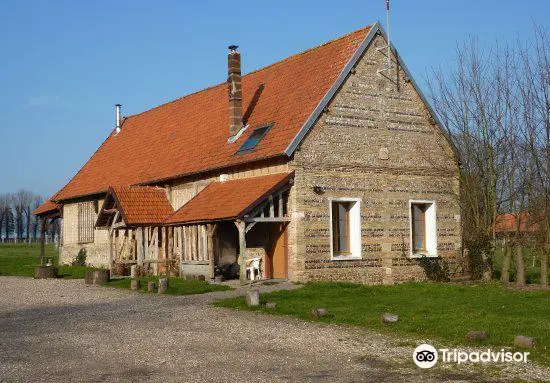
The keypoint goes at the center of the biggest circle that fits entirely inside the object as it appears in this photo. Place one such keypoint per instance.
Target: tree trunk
(520, 277)
(505, 275)
(544, 268)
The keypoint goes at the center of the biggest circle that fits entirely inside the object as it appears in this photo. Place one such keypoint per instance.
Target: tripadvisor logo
(426, 356)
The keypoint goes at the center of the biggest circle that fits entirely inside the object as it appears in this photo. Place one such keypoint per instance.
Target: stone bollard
(134, 271)
(318, 313)
(134, 285)
(97, 277)
(389, 318)
(89, 277)
(101, 276)
(163, 285)
(476, 335)
(42, 272)
(525, 341)
(253, 298)
(151, 285)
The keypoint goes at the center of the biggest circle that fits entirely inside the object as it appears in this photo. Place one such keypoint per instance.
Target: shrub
(436, 269)
(80, 259)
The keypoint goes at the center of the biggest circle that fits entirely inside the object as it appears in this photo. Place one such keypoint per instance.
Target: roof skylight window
(254, 139)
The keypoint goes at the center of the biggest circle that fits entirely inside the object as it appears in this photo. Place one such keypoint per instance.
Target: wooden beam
(211, 231)
(182, 245)
(250, 226)
(271, 206)
(268, 219)
(110, 211)
(241, 227)
(42, 238)
(140, 247)
(118, 225)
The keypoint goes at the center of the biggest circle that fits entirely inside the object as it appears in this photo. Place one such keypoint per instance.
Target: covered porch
(231, 229)
(235, 229)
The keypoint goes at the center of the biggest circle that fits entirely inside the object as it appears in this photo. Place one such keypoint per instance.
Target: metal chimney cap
(119, 105)
(233, 48)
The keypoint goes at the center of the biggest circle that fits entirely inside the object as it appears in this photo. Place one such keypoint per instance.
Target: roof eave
(215, 168)
(332, 91)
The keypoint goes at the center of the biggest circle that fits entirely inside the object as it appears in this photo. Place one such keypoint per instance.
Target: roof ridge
(283, 60)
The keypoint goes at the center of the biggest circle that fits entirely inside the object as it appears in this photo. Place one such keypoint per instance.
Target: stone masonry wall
(377, 142)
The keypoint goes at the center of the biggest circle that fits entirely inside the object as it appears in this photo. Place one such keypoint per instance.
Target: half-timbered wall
(184, 189)
(97, 251)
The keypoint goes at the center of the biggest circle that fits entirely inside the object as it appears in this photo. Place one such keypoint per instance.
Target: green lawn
(440, 312)
(19, 259)
(176, 286)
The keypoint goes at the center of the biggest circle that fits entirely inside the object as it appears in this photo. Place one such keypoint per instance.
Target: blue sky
(64, 64)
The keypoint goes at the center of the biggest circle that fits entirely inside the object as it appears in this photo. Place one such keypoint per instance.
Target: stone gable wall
(375, 141)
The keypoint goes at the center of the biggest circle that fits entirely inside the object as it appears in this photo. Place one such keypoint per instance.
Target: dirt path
(60, 330)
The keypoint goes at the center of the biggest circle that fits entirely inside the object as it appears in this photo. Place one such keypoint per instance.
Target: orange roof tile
(229, 199)
(507, 222)
(189, 135)
(142, 205)
(47, 207)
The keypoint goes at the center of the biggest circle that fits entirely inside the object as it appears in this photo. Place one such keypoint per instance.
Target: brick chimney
(234, 87)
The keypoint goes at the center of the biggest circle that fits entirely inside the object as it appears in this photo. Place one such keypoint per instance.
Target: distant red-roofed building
(327, 165)
(511, 223)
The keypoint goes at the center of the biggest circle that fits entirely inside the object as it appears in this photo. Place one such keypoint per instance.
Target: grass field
(440, 312)
(176, 286)
(19, 259)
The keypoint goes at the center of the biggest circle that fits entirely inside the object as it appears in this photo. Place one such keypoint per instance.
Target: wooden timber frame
(46, 221)
(265, 212)
(157, 249)
(163, 249)
(195, 243)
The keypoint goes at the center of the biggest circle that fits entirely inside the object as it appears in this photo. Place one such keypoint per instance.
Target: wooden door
(278, 252)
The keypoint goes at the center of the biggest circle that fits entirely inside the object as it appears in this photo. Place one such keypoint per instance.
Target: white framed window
(345, 228)
(423, 228)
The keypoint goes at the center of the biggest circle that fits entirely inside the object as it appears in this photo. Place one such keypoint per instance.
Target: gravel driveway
(61, 330)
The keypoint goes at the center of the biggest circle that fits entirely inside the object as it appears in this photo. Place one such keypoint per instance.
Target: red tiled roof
(507, 222)
(47, 207)
(229, 199)
(189, 135)
(142, 205)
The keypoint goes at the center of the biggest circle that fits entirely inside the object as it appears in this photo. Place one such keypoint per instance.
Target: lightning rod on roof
(388, 28)
(386, 50)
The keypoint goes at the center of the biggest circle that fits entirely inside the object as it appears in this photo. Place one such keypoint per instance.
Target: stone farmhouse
(327, 165)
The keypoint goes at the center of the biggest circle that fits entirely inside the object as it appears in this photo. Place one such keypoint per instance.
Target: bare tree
(35, 227)
(22, 201)
(4, 214)
(534, 87)
(495, 104)
(471, 102)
